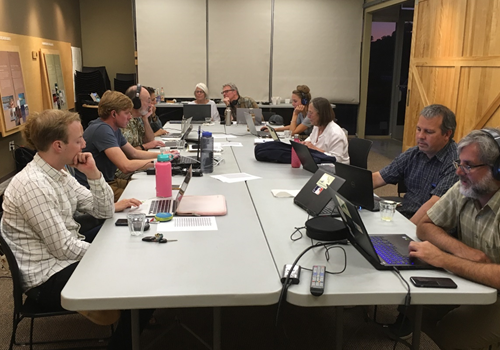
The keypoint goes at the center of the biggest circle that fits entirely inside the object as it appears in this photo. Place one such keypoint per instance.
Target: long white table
(240, 264)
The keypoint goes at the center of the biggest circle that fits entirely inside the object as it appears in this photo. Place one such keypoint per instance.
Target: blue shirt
(422, 176)
(100, 136)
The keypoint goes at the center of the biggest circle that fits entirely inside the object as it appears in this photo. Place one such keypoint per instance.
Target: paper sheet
(284, 193)
(235, 177)
(188, 223)
(231, 144)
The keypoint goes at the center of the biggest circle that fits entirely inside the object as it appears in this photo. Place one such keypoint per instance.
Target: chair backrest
(358, 152)
(17, 290)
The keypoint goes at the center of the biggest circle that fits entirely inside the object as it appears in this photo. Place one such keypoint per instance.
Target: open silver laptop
(240, 115)
(185, 124)
(252, 129)
(151, 207)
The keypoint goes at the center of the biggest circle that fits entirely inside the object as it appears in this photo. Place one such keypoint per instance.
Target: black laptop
(305, 156)
(314, 198)
(359, 186)
(384, 252)
(197, 112)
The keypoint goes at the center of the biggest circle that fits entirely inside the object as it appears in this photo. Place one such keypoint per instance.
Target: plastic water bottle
(162, 94)
(228, 116)
(295, 159)
(207, 152)
(164, 176)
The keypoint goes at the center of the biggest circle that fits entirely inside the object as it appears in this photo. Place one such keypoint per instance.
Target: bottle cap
(206, 134)
(164, 157)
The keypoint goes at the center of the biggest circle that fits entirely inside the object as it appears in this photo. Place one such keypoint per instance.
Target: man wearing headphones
(108, 146)
(138, 131)
(232, 99)
(471, 207)
(426, 169)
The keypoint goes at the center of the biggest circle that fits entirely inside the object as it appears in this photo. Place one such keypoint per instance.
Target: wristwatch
(142, 146)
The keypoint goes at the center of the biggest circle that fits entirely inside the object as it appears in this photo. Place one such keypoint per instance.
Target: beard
(477, 190)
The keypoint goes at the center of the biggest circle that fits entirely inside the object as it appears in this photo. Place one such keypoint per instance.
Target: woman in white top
(326, 136)
(201, 95)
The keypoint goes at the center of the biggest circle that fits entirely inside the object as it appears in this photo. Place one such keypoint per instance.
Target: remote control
(318, 280)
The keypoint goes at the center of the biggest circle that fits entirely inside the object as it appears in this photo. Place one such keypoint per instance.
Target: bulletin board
(37, 94)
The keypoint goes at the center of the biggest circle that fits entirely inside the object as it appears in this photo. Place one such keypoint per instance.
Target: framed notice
(56, 80)
(14, 104)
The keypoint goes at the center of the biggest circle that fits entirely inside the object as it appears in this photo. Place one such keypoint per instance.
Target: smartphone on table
(433, 282)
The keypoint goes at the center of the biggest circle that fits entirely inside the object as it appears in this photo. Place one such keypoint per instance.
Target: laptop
(240, 115)
(314, 198)
(151, 207)
(307, 160)
(384, 252)
(169, 142)
(197, 112)
(273, 133)
(185, 123)
(358, 187)
(253, 130)
(186, 161)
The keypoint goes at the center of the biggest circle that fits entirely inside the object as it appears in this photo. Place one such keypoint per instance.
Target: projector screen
(265, 47)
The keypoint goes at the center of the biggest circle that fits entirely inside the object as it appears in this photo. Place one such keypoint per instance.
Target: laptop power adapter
(294, 276)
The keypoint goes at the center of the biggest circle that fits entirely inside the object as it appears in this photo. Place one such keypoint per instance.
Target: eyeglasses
(466, 168)
(226, 91)
(199, 92)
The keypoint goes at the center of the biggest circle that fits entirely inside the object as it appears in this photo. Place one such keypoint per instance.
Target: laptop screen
(350, 215)
(197, 112)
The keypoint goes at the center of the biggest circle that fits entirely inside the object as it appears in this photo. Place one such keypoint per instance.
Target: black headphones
(304, 99)
(495, 169)
(137, 100)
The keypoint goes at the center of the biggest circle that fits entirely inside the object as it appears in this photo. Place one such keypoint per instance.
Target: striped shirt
(477, 227)
(38, 223)
(422, 176)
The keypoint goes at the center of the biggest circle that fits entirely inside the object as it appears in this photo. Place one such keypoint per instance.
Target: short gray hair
(449, 121)
(232, 86)
(489, 150)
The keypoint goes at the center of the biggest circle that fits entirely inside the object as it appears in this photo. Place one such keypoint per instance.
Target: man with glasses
(470, 208)
(426, 169)
(231, 97)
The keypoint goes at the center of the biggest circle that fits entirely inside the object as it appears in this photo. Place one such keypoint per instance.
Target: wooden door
(455, 61)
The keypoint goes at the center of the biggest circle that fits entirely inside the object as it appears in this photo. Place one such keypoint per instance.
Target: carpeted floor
(242, 327)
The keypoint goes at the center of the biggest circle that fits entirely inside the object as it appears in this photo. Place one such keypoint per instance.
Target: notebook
(151, 207)
(197, 112)
(359, 187)
(253, 130)
(314, 198)
(240, 115)
(305, 156)
(185, 123)
(382, 251)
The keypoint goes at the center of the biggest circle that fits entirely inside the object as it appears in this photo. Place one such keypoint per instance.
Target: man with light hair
(233, 100)
(471, 209)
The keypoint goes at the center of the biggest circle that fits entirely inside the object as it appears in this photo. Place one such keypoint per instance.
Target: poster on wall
(56, 81)
(14, 105)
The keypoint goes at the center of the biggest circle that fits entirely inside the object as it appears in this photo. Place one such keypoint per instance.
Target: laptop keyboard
(184, 160)
(329, 210)
(388, 252)
(160, 206)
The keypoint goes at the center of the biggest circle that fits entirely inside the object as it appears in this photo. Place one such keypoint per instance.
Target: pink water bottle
(164, 176)
(295, 159)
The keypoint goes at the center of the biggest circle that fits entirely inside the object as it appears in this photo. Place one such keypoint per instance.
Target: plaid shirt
(38, 223)
(422, 176)
(243, 102)
(477, 227)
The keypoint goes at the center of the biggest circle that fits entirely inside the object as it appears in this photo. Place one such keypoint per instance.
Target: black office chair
(358, 152)
(28, 308)
(401, 192)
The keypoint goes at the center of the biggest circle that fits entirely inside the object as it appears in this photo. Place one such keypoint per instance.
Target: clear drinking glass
(387, 209)
(136, 223)
(287, 134)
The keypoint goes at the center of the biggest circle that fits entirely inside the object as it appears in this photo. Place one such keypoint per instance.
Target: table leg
(339, 325)
(136, 334)
(217, 328)
(417, 327)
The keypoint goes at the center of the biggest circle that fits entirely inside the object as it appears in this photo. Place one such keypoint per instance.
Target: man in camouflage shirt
(233, 100)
